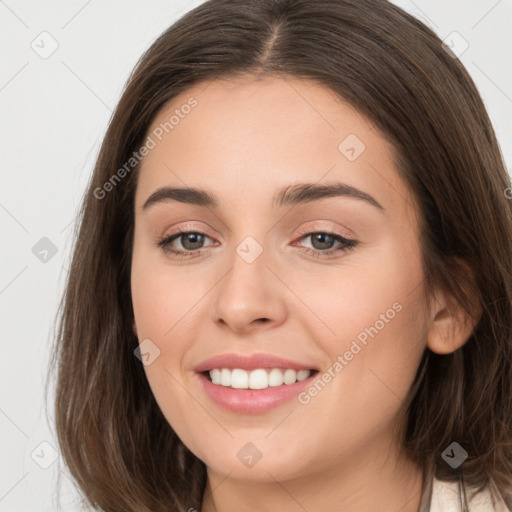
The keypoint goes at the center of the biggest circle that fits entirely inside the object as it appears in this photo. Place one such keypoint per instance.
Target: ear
(450, 324)
(134, 327)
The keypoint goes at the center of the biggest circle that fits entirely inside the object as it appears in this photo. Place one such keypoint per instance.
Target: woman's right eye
(191, 242)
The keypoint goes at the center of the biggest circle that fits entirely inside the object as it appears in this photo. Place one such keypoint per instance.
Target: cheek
(374, 324)
(162, 298)
(377, 288)
(163, 304)
(165, 312)
(373, 357)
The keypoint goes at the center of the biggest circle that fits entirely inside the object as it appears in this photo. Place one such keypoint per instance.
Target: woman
(292, 281)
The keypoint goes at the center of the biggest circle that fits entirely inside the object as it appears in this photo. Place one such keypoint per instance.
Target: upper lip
(249, 362)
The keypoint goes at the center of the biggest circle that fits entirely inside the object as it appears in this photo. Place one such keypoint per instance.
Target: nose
(250, 296)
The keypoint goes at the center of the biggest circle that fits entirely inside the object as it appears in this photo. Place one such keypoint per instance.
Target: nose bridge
(248, 277)
(249, 250)
(249, 291)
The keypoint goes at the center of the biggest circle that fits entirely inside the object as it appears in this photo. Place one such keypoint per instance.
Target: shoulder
(446, 498)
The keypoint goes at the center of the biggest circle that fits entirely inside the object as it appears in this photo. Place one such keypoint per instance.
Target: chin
(251, 465)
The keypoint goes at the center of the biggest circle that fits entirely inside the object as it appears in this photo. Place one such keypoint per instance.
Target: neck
(386, 484)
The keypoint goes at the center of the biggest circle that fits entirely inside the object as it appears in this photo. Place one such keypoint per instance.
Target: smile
(260, 378)
(252, 384)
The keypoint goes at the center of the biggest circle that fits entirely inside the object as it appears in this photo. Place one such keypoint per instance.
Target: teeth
(225, 377)
(239, 379)
(260, 378)
(290, 376)
(303, 375)
(215, 375)
(275, 377)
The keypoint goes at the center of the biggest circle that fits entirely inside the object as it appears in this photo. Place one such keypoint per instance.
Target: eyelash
(347, 244)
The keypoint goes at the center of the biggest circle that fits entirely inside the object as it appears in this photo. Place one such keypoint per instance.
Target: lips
(252, 384)
(252, 362)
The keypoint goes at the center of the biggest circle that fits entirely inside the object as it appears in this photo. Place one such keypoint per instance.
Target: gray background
(54, 110)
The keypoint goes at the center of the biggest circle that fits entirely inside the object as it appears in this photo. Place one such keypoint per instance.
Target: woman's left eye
(192, 241)
(323, 238)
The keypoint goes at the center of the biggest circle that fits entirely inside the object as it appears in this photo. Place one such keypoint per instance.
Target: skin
(244, 140)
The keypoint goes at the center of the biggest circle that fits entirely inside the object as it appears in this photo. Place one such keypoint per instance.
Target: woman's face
(312, 299)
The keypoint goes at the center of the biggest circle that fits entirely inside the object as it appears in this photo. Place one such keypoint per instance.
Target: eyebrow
(290, 195)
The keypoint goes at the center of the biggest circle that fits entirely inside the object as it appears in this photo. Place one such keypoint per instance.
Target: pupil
(195, 238)
(321, 236)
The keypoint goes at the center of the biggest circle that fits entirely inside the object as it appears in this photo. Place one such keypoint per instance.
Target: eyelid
(338, 230)
(189, 227)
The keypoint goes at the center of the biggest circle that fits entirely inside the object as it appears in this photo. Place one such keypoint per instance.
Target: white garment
(446, 498)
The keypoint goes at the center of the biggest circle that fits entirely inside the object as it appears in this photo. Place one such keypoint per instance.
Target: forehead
(263, 134)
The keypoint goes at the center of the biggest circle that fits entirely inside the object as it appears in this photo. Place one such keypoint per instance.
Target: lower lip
(252, 401)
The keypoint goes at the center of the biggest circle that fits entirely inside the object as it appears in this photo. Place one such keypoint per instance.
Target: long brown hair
(388, 65)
